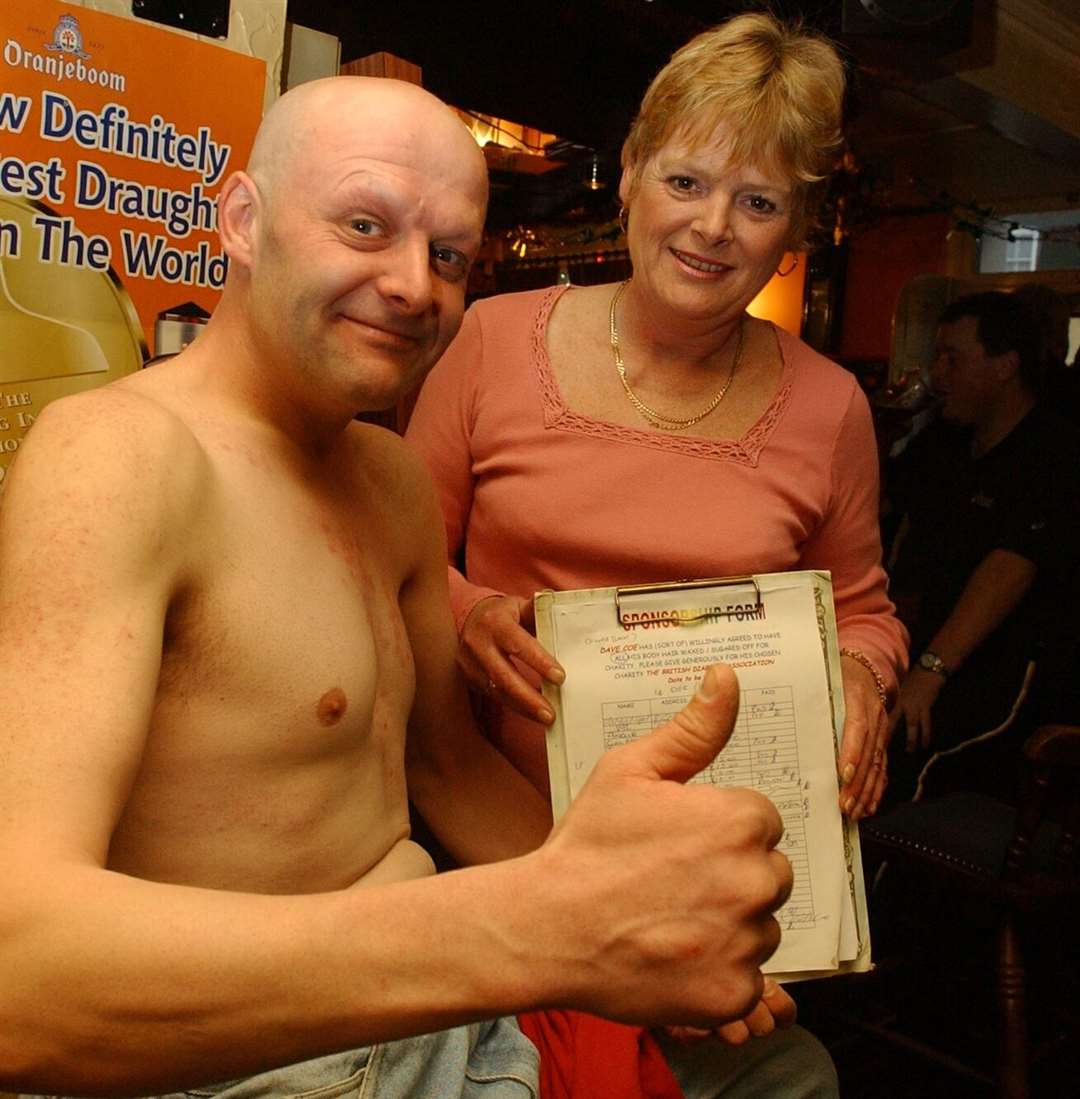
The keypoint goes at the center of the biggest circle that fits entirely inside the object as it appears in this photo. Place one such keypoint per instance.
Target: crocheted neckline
(558, 416)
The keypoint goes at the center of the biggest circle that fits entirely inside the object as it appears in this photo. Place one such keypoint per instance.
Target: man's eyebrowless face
(963, 376)
(371, 200)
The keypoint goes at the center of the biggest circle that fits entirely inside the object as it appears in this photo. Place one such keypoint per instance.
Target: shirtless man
(222, 604)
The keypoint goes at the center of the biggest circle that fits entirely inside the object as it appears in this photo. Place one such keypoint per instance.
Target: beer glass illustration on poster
(115, 138)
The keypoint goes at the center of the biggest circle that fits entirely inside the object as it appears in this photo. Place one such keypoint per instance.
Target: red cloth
(583, 1057)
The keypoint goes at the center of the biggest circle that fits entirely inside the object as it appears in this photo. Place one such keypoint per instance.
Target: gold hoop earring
(794, 263)
(624, 219)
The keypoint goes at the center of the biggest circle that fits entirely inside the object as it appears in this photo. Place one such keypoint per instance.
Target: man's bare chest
(273, 759)
(291, 613)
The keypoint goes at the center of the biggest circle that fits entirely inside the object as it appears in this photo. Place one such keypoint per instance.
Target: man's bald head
(351, 234)
(335, 112)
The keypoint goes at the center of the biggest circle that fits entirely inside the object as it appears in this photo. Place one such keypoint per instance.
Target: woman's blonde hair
(779, 89)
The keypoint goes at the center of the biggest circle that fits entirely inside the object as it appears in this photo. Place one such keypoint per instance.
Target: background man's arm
(993, 591)
(650, 902)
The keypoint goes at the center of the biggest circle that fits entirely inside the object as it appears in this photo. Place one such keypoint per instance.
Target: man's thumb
(689, 742)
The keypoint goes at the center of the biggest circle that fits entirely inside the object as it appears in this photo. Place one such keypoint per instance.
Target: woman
(584, 437)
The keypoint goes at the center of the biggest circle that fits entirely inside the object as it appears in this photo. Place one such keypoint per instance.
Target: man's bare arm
(651, 901)
(479, 806)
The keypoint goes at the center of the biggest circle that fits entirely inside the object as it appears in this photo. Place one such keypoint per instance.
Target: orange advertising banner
(115, 138)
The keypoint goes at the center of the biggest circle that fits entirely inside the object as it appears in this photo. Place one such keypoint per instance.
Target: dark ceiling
(578, 68)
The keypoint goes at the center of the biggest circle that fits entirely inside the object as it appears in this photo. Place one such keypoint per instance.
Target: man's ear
(238, 208)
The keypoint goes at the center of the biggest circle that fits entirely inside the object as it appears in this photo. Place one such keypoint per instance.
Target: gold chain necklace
(666, 423)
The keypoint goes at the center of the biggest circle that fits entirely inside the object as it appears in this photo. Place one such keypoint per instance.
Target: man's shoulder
(113, 483)
(1057, 442)
(1041, 450)
(382, 459)
(107, 438)
(123, 413)
(1051, 432)
(391, 491)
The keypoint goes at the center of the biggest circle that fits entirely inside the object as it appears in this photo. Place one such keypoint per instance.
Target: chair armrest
(1054, 744)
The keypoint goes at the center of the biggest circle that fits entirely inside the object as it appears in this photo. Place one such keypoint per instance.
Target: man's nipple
(332, 706)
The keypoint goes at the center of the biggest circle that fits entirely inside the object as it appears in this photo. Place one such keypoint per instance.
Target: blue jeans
(789, 1064)
(491, 1060)
(495, 1061)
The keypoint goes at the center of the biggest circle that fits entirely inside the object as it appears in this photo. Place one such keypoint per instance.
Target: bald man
(222, 606)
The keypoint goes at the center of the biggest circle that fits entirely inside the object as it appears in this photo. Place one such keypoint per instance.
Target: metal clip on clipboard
(632, 590)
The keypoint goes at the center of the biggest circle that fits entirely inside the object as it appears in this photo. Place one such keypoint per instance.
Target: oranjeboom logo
(63, 58)
(67, 38)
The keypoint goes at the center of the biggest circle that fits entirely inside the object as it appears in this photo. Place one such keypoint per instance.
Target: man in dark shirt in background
(989, 497)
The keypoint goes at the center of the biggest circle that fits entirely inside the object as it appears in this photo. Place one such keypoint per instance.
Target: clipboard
(634, 654)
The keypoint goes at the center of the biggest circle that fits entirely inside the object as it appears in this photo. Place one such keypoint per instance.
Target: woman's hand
(775, 1010)
(866, 737)
(495, 639)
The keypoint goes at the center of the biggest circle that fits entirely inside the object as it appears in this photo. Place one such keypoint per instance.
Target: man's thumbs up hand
(691, 740)
(663, 893)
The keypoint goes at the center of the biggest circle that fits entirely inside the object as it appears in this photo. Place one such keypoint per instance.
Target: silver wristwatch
(931, 662)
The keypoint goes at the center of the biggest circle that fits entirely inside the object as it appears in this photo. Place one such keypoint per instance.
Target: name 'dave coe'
(111, 130)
